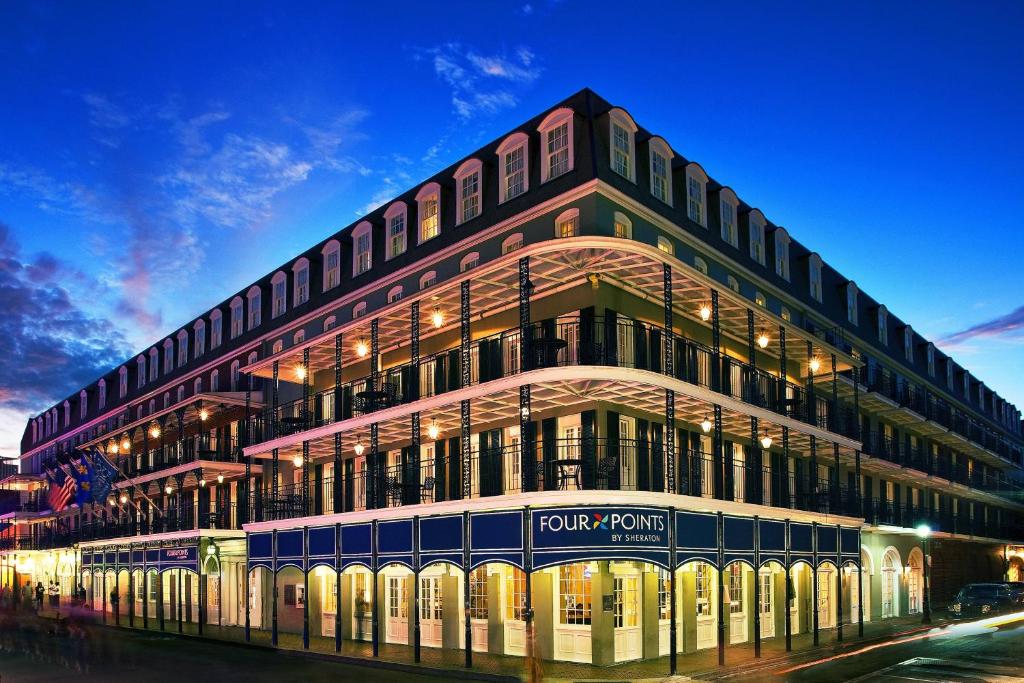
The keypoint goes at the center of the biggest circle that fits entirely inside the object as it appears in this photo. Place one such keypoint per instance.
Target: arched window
(362, 252)
(197, 386)
(255, 297)
(235, 373)
(167, 400)
(696, 194)
(182, 348)
(140, 372)
(883, 325)
(330, 323)
(733, 283)
(83, 404)
(67, 414)
(394, 294)
(511, 243)
(332, 264)
(469, 261)
(181, 394)
(760, 299)
(661, 169)
(469, 183)
(623, 226)
(851, 302)
(785, 314)
(396, 219)
(299, 337)
(215, 328)
(277, 347)
(567, 223)
(622, 147)
(103, 393)
(700, 264)
(279, 294)
(556, 143)
(782, 253)
(152, 406)
(300, 273)
(428, 201)
(908, 343)
(814, 276)
(428, 279)
(215, 380)
(513, 166)
(199, 332)
(168, 356)
(755, 222)
(237, 319)
(727, 204)
(665, 244)
(359, 310)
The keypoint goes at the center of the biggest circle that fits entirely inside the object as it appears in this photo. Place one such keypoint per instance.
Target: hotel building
(570, 391)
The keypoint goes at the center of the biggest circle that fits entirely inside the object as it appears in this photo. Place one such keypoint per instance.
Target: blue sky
(154, 158)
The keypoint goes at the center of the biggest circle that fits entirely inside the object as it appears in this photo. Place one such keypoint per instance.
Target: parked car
(1017, 591)
(982, 599)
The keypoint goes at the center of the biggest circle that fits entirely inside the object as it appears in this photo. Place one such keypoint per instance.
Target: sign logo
(564, 527)
(600, 521)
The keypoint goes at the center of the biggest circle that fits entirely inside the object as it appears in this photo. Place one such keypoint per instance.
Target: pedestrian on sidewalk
(40, 591)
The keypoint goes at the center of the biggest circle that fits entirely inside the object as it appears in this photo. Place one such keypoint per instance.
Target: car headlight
(956, 607)
(985, 609)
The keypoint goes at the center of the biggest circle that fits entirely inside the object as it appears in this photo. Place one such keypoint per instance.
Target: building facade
(570, 394)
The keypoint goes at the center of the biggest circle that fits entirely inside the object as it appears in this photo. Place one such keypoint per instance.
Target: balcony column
(811, 407)
(374, 354)
(464, 419)
(306, 464)
(814, 580)
(528, 467)
(859, 498)
(754, 480)
(275, 387)
(413, 390)
(412, 467)
(834, 416)
(305, 388)
(245, 513)
(275, 470)
(716, 344)
(837, 498)
(162, 446)
(179, 414)
(787, 501)
(752, 356)
(812, 475)
(670, 370)
(337, 377)
(782, 369)
(179, 479)
(719, 460)
(336, 481)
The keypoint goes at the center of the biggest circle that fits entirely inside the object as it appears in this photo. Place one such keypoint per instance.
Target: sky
(157, 157)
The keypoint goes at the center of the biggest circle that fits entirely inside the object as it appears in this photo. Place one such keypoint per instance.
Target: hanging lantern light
(766, 441)
(705, 311)
(433, 431)
(154, 431)
(362, 348)
(706, 424)
(168, 490)
(300, 372)
(297, 461)
(124, 499)
(437, 317)
(814, 364)
(359, 448)
(220, 478)
(762, 339)
(204, 414)
(126, 445)
(202, 483)
(114, 448)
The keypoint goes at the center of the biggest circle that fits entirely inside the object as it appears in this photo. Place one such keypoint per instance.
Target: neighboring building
(552, 378)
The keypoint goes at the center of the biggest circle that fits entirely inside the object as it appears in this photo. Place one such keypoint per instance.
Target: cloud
(1010, 325)
(481, 83)
(49, 344)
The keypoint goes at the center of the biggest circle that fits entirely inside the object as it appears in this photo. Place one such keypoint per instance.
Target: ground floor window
(735, 588)
(664, 594)
(574, 590)
(515, 585)
(703, 589)
(478, 593)
(626, 598)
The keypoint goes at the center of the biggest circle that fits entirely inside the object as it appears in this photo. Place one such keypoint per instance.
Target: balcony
(611, 341)
(886, 512)
(580, 464)
(198, 448)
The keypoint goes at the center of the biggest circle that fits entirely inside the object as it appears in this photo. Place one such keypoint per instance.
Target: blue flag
(102, 475)
(83, 480)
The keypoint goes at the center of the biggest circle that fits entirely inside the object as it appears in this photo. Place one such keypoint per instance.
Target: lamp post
(924, 532)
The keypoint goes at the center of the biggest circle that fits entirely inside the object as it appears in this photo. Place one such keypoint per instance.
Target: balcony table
(291, 425)
(372, 399)
(568, 470)
(546, 350)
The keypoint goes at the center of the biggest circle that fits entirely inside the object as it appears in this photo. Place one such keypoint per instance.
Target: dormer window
(359, 310)
(727, 204)
(332, 264)
(883, 325)
(696, 195)
(966, 385)
(511, 243)
(814, 276)
(362, 254)
(103, 393)
(140, 372)
(199, 331)
(512, 160)
(782, 253)
(908, 344)
(237, 317)
(851, 303)
(566, 223)
(428, 279)
(467, 180)
(154, 364)
(622, 134)
(83, 404)
(216, 333)
(395, 220)
(428, 201)
(300, 273)
(556, 142)
(661, 170)
(700, 264)
(182, 348)
(469, 261)
(255, 297)
(623, 226)
(122, 382)
(931, 359)
(665, 245)
(168, 356)
(755, 222)
(949, 374)
(394, 294)
(215, 380)
(279, 292)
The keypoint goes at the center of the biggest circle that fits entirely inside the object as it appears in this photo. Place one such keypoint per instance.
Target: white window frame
(332, 273)
(236, 374)
(396, 218)
(330, 323)
(428, 279)
(361, 265)
(700, 264)
(154, 364)
(122, 381)
(359, 310)
(254, 298)
(619, 120)
(568, 216)
(665, 245)
(394, 294)
(728, 207)
(908, 343)
(814, 277)
(622, 227)
(658, 147)
(300, 281)
(732, 283)
(278, 294)
(782, 253)
(83, 404)
(215, 380)
(550, 135)
(852, 316)
(755, 226)
(216, 328)
(469, 184)
(168, 356)
(102, 394)
(428, 221)
(883, 325)
(469, 261)
(140, 371)
(199, 332)
(931, 359)
(512, 242)
(520, 178)
(697, 195)
(182, 348)
(197, 386)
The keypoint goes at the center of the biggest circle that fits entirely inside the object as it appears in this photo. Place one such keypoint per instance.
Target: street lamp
(924, 532)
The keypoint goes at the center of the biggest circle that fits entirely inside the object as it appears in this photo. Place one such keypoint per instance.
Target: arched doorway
(915, 581)
(890, 575)
(398, 589)
(211, 575)
(860, 589)
(357, 581)
(828, 591)
(573, 609)
(325, 584)
(739, 593)
(1015, 569)
(705, 592)
(771, 596)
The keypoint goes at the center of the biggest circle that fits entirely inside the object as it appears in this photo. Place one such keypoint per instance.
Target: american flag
(62, 487)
